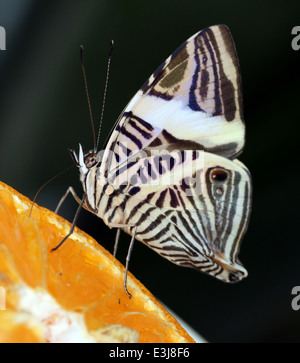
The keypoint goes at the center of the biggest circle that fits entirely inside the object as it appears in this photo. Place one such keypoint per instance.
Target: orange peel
(74, 294)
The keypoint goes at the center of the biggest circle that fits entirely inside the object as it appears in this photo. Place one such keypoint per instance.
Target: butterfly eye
(218, 175)
(90, 160)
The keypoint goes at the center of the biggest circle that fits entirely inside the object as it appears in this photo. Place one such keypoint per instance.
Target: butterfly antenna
(87, 95)
(43, 186)
(105, 91)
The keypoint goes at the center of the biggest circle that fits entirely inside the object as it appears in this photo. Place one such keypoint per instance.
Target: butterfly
(168, 174)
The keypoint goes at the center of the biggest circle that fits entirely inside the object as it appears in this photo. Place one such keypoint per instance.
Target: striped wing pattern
(182, 128)
(192, 101)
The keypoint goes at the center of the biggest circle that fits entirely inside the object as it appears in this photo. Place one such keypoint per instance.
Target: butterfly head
(85, 161)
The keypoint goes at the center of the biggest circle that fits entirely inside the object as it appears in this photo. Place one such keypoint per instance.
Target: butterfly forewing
(192, 101)
(169, 169)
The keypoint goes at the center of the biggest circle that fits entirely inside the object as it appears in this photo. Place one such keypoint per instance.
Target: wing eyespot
(219, 191)
(218, 175)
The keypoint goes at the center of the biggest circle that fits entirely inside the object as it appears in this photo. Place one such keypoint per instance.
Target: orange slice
(74, 294)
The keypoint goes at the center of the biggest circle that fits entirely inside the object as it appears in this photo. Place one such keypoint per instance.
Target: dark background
(43, 111)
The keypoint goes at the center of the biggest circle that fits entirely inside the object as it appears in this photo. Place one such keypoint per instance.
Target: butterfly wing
(185, 215)
(191, 102)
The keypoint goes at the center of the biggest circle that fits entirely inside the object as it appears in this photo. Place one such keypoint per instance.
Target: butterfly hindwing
(182, 214)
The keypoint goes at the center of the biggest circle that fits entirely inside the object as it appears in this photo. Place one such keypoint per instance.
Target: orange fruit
(74, 294)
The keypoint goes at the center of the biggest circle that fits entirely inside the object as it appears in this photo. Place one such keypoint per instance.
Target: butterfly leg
(117, 241)
(75, 196)
(73, 223)
(129, 250)
(127, 261)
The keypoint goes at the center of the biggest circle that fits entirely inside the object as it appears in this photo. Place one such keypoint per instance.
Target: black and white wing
(192, 101)
(192, 104)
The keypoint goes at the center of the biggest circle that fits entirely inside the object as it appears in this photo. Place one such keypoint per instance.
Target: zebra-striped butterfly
(168, 174)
